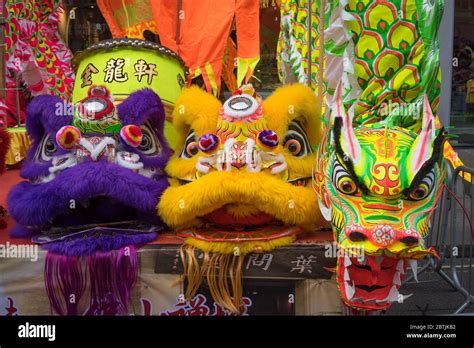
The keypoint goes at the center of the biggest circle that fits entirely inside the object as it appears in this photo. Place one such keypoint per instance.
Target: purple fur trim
(141, 106)
(31, 169)
(35, 205)
(35, 168)
(45, 113)
(89, 245)
(20, 231)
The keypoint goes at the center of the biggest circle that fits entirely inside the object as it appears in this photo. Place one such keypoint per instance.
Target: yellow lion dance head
(240, 178)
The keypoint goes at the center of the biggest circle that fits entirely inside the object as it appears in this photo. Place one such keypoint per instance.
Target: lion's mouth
(302, 182)
(224, 226)
(222, 218)
(371, 282)
(98, 211)
(85, 196)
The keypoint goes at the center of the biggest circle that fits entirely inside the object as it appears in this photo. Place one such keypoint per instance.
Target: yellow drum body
(127, 65)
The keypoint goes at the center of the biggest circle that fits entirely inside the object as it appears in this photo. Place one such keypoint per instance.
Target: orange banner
(198, 31)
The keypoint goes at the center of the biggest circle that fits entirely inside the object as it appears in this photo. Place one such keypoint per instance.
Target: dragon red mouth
(371, 282)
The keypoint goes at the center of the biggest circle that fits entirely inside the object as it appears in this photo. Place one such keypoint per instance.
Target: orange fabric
(204, 28)
(247, 23)
(127, 18)
(228, 66)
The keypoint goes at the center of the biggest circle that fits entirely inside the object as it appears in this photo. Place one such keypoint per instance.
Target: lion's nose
(95, 148)
(238, 153)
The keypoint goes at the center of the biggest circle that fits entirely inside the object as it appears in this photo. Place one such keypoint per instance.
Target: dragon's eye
(347, 185)
(344, 183)
(296, 141)
(419, 192)
(190, 146)
(423, 189)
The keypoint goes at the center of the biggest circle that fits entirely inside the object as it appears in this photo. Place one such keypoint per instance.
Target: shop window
(84, 25)
(266, 73)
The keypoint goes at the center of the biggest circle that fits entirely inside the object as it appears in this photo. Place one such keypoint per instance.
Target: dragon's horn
(422, 148)
(348, 139)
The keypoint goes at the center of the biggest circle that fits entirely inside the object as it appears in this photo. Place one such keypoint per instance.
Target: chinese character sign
(127, 65)
(198, 306)
(303, 264)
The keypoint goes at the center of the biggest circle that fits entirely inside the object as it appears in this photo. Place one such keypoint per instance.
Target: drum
(127, 65)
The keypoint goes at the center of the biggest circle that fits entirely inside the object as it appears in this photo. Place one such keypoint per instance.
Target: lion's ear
(290, 103)
(196, 109)
(46, 114)
(140, 106)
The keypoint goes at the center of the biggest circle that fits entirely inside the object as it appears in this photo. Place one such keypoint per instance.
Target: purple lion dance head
(95, 175)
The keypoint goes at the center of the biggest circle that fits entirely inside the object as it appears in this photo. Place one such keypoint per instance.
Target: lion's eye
(149, 145)
(190, 148)
(296, 141)
(50, 147)
(46, 149)
(294, 146)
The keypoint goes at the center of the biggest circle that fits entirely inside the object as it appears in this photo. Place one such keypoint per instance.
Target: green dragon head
(378, 184)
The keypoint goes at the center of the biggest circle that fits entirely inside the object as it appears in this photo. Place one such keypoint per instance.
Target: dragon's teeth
(362, 260)
(350, 290)
(393, 295)
(400, 267)
(414, 267)
(347, 261)
(346, 275)
(396, 278)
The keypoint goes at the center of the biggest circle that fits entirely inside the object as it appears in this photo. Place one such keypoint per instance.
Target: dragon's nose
(382, 235)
